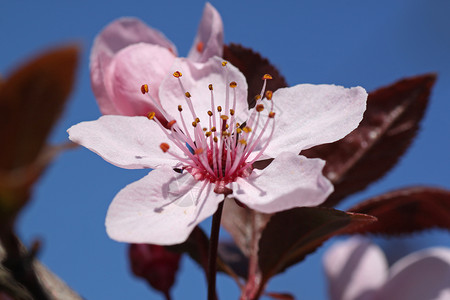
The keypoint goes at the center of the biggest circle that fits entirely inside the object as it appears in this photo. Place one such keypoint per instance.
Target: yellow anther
(180, 108)
(271, 114)
(144, 88)
(219, 108)
(213, 129)
(257, 97)
(239, 130)
(194, 124)
(247, 129)
(204, 128)
(151, 115)
(197, 120)
(233, 84)
(198, 151)
(225, 133)
(226, 126)
(232, 112)
(208, 134)
(210, 87)
(164, 147)
(259, 108)
(267, 76)
(210, 113)
(187, 94)
(170, 124)
(215, 139)
(269, 95)
(223, 117)
(177, 74)
(243, 142)
(238, 125)
(224, 63)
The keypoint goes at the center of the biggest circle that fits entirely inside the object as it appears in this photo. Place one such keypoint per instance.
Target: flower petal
(209, 39)
(114, 37)
(127, 142)
(132, 67)
(309, 115)
(421, 275)
(291, 180)
(195, 78)
(355, 269)
(162, 208)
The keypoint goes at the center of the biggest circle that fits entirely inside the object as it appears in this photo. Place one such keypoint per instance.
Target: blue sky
(349, 42)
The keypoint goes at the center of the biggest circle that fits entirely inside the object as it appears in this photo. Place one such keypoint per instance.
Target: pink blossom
(206, 105)
(128, 52)
(358, 270)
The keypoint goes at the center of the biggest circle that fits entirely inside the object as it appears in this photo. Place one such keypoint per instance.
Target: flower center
(218, 149)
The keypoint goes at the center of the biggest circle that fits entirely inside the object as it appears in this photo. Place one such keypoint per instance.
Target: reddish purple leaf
(406, 210)
(389, 126)
(253, 66)
(31, 101)
(291, 235)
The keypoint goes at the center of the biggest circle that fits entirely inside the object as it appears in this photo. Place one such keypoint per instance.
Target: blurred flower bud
(155, 264)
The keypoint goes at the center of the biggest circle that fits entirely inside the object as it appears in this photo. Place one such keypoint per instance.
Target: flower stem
(212, 257)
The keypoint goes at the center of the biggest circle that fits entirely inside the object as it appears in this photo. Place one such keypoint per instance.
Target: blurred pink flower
(128, 52)
(358, 270)
(204, 102)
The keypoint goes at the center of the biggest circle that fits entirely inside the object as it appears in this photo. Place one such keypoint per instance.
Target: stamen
(219, 108)
(171, 123)
(233, 84)
(200, 46)
(259, 108)
(151, 115)
(269, 95)
(232, 112)
(187, 94)
(144, 88)
(210, 87)
(177, 74)
(272, 114)
(180, 109)
(164, 147)
(224, 63)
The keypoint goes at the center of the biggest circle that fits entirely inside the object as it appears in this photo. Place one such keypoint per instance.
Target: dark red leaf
(406, 210)
(196, 246)
(233, 257)
(280, 296)
(291, 235)
(31, 100)
(389, 126)
(243, 224)
(154, 263)
(253, 66)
